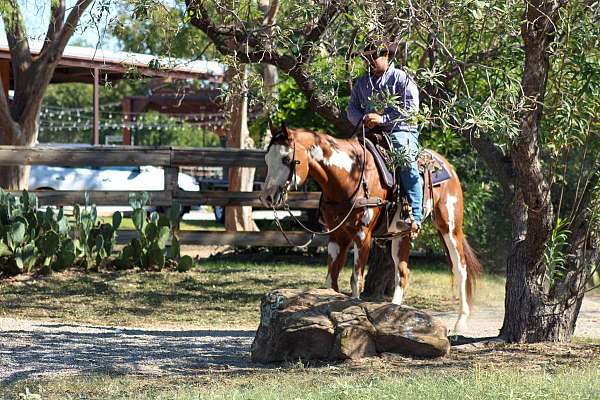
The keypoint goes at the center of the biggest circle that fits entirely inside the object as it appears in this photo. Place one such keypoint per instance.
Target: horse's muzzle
(270, 198)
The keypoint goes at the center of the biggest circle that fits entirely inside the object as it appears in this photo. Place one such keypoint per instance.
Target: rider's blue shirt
(369, 91)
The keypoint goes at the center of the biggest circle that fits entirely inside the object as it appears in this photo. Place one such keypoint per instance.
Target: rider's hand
(372, 120)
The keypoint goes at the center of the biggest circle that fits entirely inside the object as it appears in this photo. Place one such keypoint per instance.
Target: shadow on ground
(33, 349)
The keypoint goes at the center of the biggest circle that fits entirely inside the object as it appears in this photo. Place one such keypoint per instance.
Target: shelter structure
(98, 66)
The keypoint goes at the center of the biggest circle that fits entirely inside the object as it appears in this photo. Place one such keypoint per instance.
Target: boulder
(326, 325)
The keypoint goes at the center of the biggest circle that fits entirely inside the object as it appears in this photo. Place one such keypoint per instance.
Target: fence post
(171, 185)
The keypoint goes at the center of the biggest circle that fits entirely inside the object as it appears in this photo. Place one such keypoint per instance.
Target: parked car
(43, 177)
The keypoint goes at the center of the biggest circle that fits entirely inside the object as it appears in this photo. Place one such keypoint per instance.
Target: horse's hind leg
(453, 240)
(338, 254)
(400, 254)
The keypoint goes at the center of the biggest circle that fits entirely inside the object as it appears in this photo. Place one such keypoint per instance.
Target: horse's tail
(474, 269)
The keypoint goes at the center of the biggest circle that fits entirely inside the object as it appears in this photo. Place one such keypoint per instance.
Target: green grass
(335, 382)
(222, 292)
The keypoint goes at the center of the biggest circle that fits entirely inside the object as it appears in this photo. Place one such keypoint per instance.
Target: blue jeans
(411, 180)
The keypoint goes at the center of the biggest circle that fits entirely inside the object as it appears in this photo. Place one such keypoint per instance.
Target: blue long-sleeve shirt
(393, 81)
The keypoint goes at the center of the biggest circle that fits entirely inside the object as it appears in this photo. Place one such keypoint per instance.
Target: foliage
(36, 240)
(32, 239)
(149, 249)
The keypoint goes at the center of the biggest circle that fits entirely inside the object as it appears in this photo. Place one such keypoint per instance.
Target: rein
(286, 206)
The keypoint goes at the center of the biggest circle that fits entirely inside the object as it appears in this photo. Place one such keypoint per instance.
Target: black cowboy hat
(378, 48)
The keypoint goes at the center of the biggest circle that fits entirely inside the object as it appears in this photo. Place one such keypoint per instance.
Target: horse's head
(287, 165)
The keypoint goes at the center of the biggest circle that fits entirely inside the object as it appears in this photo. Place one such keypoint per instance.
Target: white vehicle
(147, 178)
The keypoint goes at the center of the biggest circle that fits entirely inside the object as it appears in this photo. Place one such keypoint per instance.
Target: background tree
(19, 118)
(518, 80)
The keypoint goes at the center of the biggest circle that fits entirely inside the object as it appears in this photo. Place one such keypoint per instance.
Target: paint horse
(339, 166)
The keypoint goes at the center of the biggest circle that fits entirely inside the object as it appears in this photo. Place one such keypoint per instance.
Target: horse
(345, 172)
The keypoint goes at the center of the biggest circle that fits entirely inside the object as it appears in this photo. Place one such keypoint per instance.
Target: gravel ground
(31, 349)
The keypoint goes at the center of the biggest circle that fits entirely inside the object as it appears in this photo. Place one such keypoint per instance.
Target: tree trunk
(379, 281)
(239, 218)
(14, 177)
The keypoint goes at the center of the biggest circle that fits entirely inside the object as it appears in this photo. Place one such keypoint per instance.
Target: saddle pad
(440, 175)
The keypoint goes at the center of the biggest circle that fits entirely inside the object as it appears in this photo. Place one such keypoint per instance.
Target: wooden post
(5, 75)
(126, 108)
(171, 184)
(96, 140)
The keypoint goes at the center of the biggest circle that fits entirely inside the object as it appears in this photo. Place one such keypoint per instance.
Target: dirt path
(33, 348)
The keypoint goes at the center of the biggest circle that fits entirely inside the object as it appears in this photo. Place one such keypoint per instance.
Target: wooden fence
(170, 159)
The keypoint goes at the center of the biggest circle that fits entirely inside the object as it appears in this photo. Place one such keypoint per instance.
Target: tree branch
(57, 17)
(16, 36)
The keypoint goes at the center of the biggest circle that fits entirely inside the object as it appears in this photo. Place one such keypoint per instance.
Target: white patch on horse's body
(355, 282)
(333, 249)
(361, 235)
(367, 217)
(316, 152)
(458, 268)
(296, 180)
(340, 159)
(427, 208)
(398, 291)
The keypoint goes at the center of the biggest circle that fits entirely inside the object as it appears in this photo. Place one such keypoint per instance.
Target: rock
(326, 325)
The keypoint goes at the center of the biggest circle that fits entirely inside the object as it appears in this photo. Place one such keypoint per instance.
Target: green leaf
(48, 244)
(163, 236)
(175, 213)
(151, 231)
(17, 232)
(139, 218)
(185, 264)
(117, 218)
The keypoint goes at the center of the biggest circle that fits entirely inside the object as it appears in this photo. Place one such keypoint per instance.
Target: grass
(225, 292)
(222, 292)
(377, 379)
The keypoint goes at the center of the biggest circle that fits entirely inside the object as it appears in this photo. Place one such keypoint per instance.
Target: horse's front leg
(337, 251)
(400, 254)
(362, 247)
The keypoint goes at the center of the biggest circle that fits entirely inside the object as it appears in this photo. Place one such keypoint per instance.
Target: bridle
(292, 166)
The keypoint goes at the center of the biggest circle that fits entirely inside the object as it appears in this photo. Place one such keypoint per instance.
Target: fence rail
(171, 159)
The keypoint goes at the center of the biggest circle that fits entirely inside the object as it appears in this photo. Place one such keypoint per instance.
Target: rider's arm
(355, 111)
(408, 92)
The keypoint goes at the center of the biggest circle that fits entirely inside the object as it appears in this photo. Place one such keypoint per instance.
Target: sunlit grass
(224, 291)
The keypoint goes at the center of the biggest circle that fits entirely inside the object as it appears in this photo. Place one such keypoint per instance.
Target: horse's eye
(285, 160)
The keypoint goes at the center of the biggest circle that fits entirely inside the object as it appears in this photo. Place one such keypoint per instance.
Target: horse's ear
(285, 130)
(272, 127)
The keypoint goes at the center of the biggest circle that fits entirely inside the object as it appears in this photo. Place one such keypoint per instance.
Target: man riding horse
(371, 103)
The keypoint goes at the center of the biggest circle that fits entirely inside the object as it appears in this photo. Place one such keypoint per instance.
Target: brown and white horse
(336, 165)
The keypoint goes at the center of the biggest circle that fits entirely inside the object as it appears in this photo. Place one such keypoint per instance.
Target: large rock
(326, 325)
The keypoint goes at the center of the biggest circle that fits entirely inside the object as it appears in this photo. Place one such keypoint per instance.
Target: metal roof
(78, 63)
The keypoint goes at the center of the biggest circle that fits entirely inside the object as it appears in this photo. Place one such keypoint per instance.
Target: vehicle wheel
(219, 214)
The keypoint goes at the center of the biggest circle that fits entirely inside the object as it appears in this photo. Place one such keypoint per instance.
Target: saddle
(431, 168)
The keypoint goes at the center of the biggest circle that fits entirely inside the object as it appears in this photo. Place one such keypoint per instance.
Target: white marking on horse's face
(316, 152)
(367, 216)
(333, 249)
(398, 295)
(340, 159)
(277, 174)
